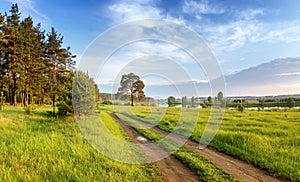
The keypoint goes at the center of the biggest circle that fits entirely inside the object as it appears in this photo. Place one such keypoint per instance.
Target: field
(39, 148)
(266, 139)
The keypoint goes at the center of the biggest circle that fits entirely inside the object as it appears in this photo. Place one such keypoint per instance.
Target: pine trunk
(14, 92)
(53, 104)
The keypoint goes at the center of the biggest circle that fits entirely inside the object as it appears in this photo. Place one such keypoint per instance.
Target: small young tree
(220, 97)
(83, 94)
(184, 101)
(65, 105)
(172, 101)
(262, 104)
(241, 107)
(193, 100)
(209, 100)
(290, 102)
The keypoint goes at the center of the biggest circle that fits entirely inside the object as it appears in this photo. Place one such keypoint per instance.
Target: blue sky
(240, 33)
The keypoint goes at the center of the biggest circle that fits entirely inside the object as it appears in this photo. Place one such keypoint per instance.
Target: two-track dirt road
(239, 169)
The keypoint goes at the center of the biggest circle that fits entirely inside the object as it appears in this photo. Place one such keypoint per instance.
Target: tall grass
(40, 148)
(267, 139)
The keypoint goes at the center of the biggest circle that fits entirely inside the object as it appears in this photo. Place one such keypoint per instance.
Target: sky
(241, 34)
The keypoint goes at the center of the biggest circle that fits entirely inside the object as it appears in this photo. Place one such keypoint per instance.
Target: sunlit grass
(41, 148)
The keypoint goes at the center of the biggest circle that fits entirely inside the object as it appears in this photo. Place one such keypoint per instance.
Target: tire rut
(170, 168)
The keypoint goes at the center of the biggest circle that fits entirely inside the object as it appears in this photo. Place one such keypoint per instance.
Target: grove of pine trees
(34, 65)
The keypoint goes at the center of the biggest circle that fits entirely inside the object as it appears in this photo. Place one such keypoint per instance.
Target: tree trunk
(53, 104)
(132, 100)
(26, 101)
(10, 94)
(15, 92)
(41, 101)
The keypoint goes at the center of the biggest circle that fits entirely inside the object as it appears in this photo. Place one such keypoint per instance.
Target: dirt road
(170, 168)
(239, 169)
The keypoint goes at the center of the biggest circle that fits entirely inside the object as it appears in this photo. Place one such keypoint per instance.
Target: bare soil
(239, 169)
(170, 168)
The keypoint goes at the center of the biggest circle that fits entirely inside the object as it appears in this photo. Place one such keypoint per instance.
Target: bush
(241, 107)
(107, 102)
(203, 105)
(65, 109)
(30, 109)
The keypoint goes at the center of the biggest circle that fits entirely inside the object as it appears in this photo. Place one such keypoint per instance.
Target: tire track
(170, 168)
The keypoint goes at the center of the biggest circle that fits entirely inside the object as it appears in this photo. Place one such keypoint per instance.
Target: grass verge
(39, 148)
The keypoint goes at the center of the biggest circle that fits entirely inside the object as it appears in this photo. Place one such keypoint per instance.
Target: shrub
(241, 107)
(107, 102)
(203, 105)
(65, 109)
(30, 109)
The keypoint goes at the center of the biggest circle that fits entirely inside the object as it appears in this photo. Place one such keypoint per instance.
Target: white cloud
(231, 36)
(199, 8)
(250, 14)
(290, 74)
(124, 11)
(281, 32)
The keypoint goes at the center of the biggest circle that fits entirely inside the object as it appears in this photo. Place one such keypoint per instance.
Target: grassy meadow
(40, 148)
(266, 139)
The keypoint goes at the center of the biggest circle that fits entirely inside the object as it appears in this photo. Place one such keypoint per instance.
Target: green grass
(40, 148)
(266, 139)
(197, 163)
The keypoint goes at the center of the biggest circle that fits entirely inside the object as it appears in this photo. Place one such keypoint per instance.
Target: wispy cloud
(290, 74)
(280, 32)
(124, 11)
(199, 8)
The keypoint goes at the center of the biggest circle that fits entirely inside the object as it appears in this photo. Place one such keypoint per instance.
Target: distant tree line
(261, 103)
(34, 65)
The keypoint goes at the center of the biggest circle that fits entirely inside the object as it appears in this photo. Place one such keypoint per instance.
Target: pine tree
(84, 96)
(59, 62)
(11, 49)
(28, 57)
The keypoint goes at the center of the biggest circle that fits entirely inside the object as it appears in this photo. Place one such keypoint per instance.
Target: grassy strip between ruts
(197, 163)
(40, 148)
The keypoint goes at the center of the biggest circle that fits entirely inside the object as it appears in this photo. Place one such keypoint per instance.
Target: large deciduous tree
(131, 87)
